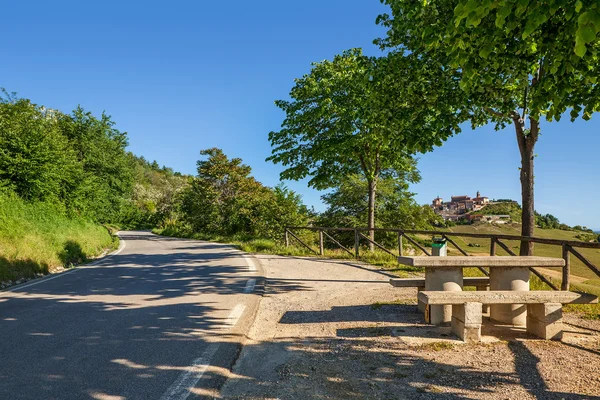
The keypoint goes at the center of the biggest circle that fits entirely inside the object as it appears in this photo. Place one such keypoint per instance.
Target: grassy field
(482, 246)
(36, 238)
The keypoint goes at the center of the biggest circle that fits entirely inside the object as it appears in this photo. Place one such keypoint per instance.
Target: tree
(396, 207)
(334, 129)
(547, 221)
(36, 161)
(225, 199)
(105, 180)
(517, 62)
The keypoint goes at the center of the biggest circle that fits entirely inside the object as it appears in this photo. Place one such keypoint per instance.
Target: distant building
(481, 200)
(458, 206)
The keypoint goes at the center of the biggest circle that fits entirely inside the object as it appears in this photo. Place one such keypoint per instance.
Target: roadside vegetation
(64, 178)
(35, 238)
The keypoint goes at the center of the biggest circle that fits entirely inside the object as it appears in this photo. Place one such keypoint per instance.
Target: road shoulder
(332, 329)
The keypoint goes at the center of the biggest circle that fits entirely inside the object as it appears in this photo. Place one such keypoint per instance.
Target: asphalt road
(162, 319)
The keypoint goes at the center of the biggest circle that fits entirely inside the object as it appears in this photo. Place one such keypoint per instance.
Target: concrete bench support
(545, 320)
(514, 279)
(544, 309)
(443, 279)
(466, 321)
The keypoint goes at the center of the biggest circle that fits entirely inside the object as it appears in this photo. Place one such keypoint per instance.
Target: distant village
(461, 208)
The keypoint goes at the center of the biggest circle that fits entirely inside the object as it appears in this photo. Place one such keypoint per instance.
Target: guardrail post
(287, 238)
(321, 249)
(567, 268)
(356, 242)
(493, 246)
(400, 252)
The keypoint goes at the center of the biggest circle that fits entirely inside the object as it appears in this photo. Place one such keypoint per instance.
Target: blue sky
(182, 76)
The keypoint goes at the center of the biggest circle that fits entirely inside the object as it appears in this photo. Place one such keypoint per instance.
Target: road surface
(162, 319)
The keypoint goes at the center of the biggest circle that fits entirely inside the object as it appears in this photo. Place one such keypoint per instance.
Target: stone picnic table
(506, 273)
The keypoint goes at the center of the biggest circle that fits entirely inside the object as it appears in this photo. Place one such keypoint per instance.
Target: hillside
(512, 209)
(482, 246)
(36, 238)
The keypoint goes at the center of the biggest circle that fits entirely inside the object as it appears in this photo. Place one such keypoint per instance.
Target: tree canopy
(334, 128)
(225, 199)
(516, 62)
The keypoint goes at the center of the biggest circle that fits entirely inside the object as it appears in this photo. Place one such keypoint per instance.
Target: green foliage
(77, 161)
(331, 128)
(509, 208)
(547, 221)
(105, 176)
(224, 199)
(541, 56)
(36, 161)
(514, 61)
(36, 237)
(154, 201)
(335, 127)
(396, 207)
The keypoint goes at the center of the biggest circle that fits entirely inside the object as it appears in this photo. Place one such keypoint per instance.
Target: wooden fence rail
(568, 246)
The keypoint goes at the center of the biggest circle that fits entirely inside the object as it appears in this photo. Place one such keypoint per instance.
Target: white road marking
(181, 388)
(61, 274)
(251, 265)
(250, 286)
(37, 282)
(234, 315)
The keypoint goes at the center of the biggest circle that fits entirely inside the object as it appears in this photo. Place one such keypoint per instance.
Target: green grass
(35, 238)
(544, 250)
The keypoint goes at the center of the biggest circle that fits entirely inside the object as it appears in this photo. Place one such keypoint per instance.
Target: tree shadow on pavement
(400, 313)
(530, 377)
(351, 368)
(357, 265)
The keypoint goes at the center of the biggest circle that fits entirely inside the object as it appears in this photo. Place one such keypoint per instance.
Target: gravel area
(336, 330)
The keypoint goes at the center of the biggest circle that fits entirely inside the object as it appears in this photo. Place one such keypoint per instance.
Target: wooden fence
(569, 247)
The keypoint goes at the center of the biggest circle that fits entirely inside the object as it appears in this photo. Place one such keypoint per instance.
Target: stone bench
(506, 273)
(544, 309)
(481, 283)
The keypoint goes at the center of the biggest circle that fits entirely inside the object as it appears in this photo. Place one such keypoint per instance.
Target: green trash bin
(439, 247)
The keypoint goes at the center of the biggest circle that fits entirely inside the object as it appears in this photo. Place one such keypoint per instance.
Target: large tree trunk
(527, 142)
(371, 222)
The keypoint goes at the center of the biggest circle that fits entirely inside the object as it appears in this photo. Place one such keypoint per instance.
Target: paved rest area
(323, 331)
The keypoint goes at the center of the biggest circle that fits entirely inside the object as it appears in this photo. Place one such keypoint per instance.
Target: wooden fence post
(567, 268)
(400, 252)
(493, 246)
(321, 248)
(356, 242)
(287, 238)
